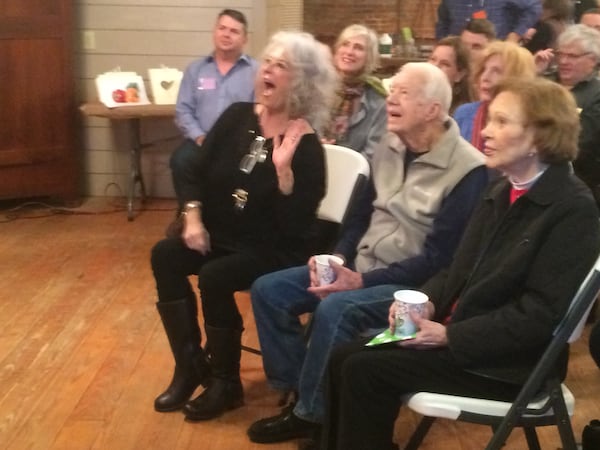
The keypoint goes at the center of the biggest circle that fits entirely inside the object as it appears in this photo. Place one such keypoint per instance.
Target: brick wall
(326, 18)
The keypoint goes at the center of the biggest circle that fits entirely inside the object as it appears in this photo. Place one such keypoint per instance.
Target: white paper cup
(325, 273)
(407, 301)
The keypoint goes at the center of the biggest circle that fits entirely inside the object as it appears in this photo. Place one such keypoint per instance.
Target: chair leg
(419, 434)
(532, 438)
(251, 350)
(563, 422)
(566, 435)
(246, 348)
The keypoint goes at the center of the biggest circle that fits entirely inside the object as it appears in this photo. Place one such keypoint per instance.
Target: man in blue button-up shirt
(212, 83)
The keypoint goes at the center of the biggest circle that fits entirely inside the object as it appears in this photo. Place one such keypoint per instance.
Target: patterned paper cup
(406, 301)
(325, 272)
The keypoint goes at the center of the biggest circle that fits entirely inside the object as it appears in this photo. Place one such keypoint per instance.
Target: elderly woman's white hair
(371, 47)
(587, 37)
(314, 76)
(434, 83)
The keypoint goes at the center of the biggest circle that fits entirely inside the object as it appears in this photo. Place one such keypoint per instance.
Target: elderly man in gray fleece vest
(425, 181)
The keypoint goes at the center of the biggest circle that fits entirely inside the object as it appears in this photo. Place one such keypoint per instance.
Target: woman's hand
(428, 313)
(283, 153)
(543, 59)
(284, 149)
(195, 235)
(346, 280)
(430, 335)
(392, 317)
(529, 34)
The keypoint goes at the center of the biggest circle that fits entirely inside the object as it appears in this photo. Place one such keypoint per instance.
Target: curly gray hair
(314, 76)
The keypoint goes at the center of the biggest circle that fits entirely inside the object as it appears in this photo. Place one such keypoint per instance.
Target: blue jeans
(278, 299)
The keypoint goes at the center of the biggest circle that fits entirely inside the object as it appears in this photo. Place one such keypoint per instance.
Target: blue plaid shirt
(507, 15)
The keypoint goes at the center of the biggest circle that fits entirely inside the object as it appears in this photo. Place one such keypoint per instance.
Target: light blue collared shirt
(205, 93)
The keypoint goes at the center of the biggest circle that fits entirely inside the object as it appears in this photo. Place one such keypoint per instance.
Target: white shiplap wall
(138, 35)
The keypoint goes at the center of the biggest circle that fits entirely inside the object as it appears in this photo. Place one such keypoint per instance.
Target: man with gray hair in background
(425, 181)
(577, 58)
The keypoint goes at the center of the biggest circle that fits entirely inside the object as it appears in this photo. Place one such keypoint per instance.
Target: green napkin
(386, 337)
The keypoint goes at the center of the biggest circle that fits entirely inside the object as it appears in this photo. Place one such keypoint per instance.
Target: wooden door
(37, 109)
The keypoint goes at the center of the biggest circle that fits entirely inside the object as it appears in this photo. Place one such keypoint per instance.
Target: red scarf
(478, 124)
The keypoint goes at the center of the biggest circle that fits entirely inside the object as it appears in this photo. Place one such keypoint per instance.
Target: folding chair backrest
(347, 170)
(568, 330)
(591, 282)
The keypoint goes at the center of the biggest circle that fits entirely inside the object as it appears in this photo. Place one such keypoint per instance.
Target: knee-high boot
(225, 390)
(192, 369)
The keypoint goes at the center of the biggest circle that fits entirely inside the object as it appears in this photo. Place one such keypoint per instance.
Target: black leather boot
(591, 436)
(192, 369)
(225, 390)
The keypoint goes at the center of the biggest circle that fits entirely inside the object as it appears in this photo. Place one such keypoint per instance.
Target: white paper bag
(117, 89)
(165, 82)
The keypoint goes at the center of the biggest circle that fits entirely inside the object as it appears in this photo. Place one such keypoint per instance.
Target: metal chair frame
(530, 409)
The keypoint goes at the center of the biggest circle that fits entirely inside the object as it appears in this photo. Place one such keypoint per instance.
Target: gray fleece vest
(406, 206)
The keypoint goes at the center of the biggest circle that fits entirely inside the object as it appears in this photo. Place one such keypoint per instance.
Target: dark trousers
(220, 273)
(184, 162)
(594, 343)
(365, 387)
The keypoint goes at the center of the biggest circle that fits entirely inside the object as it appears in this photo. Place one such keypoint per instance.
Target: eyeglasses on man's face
(570, 56)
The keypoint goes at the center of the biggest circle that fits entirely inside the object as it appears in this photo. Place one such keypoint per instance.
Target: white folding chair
(347, 173)
(553, 406)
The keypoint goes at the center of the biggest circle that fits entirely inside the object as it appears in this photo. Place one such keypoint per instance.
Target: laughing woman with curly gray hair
(250, 207)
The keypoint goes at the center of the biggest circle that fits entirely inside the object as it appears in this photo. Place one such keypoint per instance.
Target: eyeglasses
(569, 56)
(256, 154)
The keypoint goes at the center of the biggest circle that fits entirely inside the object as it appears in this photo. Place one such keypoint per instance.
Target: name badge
(481, 14)
(207, 84)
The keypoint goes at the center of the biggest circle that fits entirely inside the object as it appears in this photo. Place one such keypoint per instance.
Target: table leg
(135, 170)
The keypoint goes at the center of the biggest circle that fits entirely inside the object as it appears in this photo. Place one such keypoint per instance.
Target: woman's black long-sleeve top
(282, 225)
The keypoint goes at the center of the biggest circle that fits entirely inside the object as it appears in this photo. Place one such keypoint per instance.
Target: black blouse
(269, 221)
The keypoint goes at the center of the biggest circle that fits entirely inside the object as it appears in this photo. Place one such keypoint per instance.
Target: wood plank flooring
(83, 353)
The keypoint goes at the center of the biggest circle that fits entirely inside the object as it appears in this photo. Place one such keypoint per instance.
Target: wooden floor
(83, 354)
